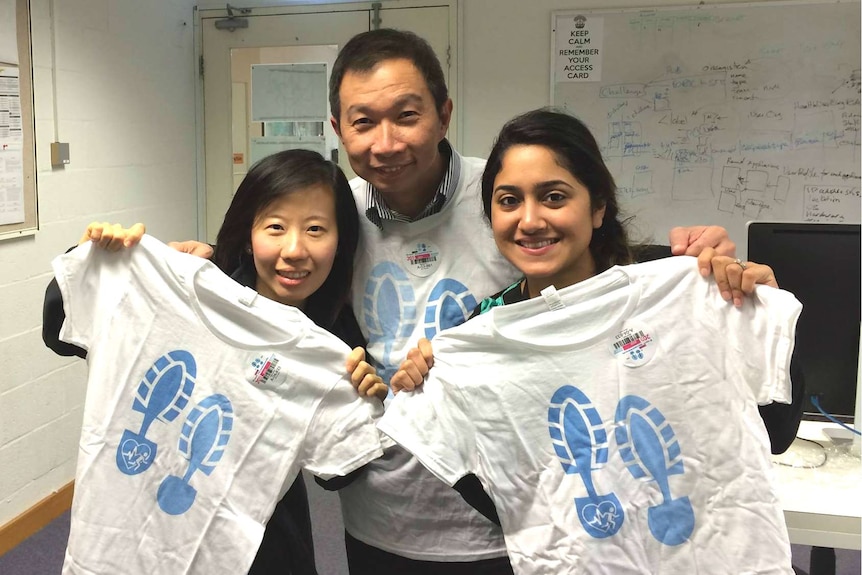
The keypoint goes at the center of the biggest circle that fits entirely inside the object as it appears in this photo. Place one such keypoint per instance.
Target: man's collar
(377, 211)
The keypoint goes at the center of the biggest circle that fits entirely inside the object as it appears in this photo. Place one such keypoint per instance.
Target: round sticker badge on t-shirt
(422, 258)
(634, 345)
(264, 370)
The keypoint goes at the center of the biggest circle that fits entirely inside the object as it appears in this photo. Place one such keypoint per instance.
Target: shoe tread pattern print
(390, 313)
(651, 452)
(204, 437)
(449, 304)
(581, 444)
(389, 310)
(162, 395)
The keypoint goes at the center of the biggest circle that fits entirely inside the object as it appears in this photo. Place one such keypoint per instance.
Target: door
(244, 68)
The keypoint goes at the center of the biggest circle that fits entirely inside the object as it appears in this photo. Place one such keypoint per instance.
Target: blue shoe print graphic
(389, 309)
(449, 304)
(581, 443)
(203, 439)
(650, 451)
(162, 395)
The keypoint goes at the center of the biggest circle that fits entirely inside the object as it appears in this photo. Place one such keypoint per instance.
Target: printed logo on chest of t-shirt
(391, 312)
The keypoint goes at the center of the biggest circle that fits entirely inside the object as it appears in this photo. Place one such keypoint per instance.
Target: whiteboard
(719, 114)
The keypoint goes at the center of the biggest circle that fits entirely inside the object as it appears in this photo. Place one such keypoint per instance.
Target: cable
(819, 464)
(815, 401)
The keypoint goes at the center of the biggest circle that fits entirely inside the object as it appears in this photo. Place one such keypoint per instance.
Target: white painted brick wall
(125, 103)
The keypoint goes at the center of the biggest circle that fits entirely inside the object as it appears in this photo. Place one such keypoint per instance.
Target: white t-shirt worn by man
(204, 400)
(411, 280)
(614, 423)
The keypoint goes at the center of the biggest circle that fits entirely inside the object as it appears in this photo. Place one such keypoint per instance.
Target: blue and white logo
(161, 396)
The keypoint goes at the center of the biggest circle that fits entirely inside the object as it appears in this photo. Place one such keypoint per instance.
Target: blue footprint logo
(203, 439)
(162, 395)
(650, 451)
(581, 444)
(389, 308)
(449, 304)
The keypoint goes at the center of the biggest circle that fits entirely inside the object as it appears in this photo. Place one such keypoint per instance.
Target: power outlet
(59, 153)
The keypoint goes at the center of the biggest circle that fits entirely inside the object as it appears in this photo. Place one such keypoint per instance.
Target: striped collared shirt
(377, 210)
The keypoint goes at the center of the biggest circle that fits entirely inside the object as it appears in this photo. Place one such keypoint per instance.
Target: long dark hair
(365, 50)
(576, 150)
(272, 178)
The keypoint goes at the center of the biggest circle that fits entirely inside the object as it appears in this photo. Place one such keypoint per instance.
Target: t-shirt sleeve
(342, 435)
(760, 339)
(430, 423)
(92, 282)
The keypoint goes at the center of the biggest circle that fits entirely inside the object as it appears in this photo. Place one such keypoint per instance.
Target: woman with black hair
(290, 234)
(610, 410)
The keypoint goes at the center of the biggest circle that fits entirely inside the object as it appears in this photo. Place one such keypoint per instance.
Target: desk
(822, 506)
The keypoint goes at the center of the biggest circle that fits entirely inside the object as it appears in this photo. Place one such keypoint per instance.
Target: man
(425, 259)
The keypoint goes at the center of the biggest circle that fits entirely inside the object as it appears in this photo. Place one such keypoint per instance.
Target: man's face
(390, 128)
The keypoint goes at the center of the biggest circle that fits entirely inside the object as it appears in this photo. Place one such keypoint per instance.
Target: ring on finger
(741, 264)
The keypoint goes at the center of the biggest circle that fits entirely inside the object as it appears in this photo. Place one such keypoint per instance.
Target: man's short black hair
(364, 51)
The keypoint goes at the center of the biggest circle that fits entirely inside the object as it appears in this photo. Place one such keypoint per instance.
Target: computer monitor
(820, 265)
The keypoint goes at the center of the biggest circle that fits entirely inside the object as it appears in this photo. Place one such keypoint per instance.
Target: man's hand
(413, 370)
(736, 278)
(112, 237)
(364, 377)
(194, 248)
(705, 242)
